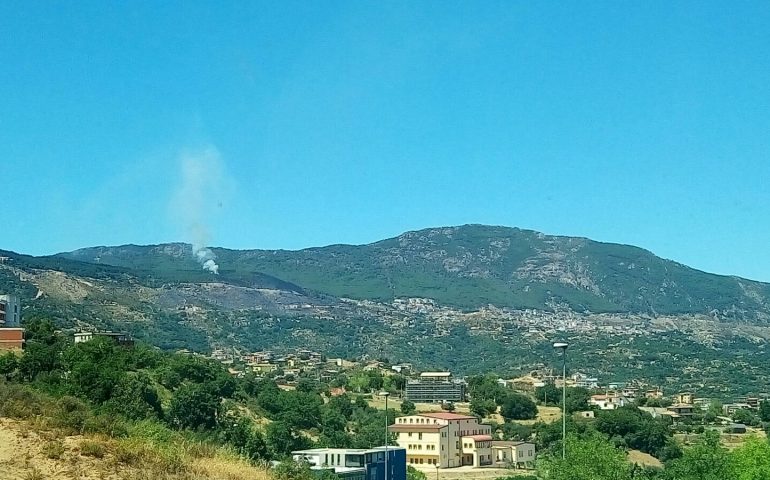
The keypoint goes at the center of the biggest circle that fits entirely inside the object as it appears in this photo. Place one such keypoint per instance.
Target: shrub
(34, 474)
(53, 449)
(105, 424)
(18, 401)
(71, 413)
(91, 448)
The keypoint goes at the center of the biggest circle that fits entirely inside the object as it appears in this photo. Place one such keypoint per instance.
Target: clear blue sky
(645, 123)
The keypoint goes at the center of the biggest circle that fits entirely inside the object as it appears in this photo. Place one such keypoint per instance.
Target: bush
(53, 449)
(107, 425)
(71, 414)
(18, 401)
(91, 448)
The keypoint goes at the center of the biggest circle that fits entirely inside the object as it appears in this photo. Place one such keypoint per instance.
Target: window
(410, 434)
(419, 436)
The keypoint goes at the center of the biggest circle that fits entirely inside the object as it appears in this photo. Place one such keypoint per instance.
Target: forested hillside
(469, 267)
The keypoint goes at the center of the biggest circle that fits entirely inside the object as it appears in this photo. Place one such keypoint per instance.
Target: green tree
(764, 411)
(239, 432)
(548, 394)
(518, 407)
(43, 350)
(482, 407)
(592, 458)
(334, 430)
(95, 369)
(359, 381)
(746, 416)
(282, 439)
(414, 474)
(342, 404)
(516, 431)
(486, 387)
(194, 407)
(577, 399)
(751, 461)
(707, 460)
(715, 408)
(136, 398)
(8, 364)
(408, 407)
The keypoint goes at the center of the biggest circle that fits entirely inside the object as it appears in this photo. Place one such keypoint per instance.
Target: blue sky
(295, 124)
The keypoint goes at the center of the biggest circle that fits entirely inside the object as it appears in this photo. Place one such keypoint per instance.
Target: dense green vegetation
(592, 457)
(99, 386)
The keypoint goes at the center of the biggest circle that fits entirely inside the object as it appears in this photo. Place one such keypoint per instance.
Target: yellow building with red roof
(444, 439)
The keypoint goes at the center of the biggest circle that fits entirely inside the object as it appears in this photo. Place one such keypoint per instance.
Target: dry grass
(379, 403)
(643, 459)
(30, 454)
(224, 468)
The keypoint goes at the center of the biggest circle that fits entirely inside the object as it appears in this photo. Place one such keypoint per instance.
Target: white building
(356, 464)
(513, 454)
(610, 401)
(10, 311)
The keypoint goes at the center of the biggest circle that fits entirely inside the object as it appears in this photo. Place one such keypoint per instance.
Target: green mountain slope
(472, 266)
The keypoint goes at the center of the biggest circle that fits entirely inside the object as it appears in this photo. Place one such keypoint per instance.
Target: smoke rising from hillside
(203, 186)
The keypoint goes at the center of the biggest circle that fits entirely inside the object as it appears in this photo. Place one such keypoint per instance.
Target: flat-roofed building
(513, 454)
(435, 387)
(444, 439)
(356, 464)
(119, 338)
(10, 311)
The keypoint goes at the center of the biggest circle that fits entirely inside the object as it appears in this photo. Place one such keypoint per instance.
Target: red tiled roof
(447, 416)
(479, 438)
(507, 443)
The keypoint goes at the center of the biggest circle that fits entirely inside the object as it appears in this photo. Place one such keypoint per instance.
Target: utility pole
(563, 347)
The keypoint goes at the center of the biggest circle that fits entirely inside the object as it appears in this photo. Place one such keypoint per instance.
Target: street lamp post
(563, 347)
(437, 471)
(386, 394)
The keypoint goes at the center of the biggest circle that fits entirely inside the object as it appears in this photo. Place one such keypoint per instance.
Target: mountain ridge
(473, 265)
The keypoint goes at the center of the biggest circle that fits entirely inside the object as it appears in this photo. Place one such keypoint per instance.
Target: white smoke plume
(201, 193)
(206, 258)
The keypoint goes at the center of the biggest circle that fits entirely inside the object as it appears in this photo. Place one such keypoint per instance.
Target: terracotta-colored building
(11, 339)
